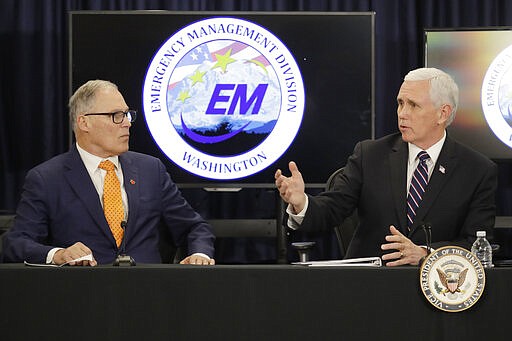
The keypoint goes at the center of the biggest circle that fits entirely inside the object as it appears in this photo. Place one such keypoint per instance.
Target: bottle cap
(480, 233)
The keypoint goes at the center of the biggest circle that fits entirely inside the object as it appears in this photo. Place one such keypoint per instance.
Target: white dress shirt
(413, 160)
(97, 175)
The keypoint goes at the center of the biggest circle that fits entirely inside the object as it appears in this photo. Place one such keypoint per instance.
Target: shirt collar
(92, 161)
(433, 151)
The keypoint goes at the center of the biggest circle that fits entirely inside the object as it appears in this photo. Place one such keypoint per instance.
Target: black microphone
(122, 247)
(123, 259)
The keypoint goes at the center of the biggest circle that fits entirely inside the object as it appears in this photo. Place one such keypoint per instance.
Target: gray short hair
(82, 100)
(443, 89)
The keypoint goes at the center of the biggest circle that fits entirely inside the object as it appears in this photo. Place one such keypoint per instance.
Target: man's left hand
(407, 253)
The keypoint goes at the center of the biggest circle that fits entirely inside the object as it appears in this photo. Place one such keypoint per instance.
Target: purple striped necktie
(417, 188)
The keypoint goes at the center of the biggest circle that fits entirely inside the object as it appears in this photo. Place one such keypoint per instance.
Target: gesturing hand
(291, 189)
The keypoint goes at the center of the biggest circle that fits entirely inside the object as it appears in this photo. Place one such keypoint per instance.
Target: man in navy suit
(458, 197)
(60, 216)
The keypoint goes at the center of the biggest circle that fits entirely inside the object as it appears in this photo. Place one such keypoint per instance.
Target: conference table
(239, 302)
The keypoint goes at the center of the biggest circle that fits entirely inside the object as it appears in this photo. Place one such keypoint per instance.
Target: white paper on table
(365, 261)
(86, 257)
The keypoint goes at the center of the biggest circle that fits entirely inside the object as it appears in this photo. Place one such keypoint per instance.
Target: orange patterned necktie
(112, 202)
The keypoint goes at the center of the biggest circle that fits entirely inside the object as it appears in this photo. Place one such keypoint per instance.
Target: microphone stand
(122, 258)
(428, 236)
(428, 239)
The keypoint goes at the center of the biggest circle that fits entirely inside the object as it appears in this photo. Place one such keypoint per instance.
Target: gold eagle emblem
(452, 282)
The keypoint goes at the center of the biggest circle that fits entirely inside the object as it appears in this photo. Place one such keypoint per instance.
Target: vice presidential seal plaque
(452, 279)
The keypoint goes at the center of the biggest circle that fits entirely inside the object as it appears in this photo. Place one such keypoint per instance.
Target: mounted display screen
(480, 61)
(226, 98)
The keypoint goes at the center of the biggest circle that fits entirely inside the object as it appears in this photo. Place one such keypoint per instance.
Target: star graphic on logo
(223, 60)
(183, 96)
(197, 77)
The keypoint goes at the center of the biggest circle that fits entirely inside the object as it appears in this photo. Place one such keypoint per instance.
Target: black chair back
(345, 231)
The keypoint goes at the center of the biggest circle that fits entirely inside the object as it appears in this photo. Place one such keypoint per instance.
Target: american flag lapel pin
(132, 182)
(442, 169)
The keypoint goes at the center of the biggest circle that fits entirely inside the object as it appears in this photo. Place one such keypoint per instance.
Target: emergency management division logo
(223, 98)
(497, 96)
(452, 279)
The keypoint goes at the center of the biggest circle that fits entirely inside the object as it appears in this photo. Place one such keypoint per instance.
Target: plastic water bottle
(482, 249)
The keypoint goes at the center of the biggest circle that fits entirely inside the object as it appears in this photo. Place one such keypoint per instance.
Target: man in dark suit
(61, 217)
(453, 189)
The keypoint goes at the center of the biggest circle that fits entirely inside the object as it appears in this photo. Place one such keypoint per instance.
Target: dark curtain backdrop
(34, 69)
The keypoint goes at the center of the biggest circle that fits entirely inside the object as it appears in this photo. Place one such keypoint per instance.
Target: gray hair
(443, 89)
(82, 99)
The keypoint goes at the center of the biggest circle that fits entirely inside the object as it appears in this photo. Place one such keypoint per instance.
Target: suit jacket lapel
(398, 170)
(79, 180)
(131, 185)
(441, 173)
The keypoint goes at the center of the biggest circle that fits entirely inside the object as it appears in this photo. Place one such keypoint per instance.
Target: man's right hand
(291, 188)
(75, 251)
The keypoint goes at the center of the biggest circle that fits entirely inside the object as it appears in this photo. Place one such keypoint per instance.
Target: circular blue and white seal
(223, 98)
(497, 96)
